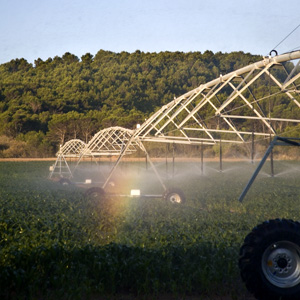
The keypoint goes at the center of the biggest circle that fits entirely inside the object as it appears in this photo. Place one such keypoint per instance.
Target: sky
(33, 29)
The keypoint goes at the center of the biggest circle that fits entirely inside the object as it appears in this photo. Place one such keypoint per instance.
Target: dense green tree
(87, 58)
(69, 58)
(67, 97)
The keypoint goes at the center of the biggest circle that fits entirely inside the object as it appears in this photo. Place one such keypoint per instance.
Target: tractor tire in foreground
(270, 260)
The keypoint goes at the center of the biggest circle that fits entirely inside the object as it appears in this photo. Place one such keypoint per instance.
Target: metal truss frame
(222, 109)
(109, 142)
(72, 148)
(226, 108)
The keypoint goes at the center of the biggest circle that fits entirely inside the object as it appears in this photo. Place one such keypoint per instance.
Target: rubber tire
(95, 192)
(178, 193)
(251, 254)
(65, 181)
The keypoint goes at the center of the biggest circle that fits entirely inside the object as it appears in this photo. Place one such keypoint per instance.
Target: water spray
(277, 141)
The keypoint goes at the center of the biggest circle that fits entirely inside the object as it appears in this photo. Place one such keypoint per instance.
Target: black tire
(65, 181)
(95, 192)
(174, 195)
(270, 260)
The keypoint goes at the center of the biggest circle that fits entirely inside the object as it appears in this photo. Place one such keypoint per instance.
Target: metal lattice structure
(72, 148)
(259, 100)
(227, 108)
(109, 141)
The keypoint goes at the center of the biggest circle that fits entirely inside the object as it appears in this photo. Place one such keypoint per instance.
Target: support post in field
(221, 164)
(271, 160)
(167, 160)
(146, 160)
(173, 165)
(201, 151)
(252, 148)
(272, 164)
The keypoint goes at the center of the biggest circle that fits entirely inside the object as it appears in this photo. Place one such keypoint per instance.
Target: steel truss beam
(72, 148)
(225, 109)
(106, 142)
(109, 142)
(200, 116)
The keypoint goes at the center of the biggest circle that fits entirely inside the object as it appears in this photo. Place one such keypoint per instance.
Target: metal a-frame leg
(277, 141)
(61, 163)
(142, 147)
(123, 151)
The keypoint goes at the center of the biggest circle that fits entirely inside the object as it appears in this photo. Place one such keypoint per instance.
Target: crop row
(56, 242)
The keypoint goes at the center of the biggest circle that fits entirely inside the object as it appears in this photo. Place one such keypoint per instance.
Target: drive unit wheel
(270, 260)
(174, 195)
(65, 181)
(95, 192)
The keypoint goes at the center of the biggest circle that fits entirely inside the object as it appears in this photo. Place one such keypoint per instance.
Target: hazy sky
(34, 29)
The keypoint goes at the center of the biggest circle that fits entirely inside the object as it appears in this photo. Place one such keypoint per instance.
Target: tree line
(49, 102)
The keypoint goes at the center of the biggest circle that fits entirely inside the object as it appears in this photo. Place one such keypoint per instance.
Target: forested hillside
(49, 102)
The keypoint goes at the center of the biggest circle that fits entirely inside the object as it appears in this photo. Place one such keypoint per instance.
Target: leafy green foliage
(57, 243)
(58, 95)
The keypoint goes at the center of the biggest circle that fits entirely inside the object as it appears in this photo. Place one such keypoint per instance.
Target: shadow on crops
(113, 269)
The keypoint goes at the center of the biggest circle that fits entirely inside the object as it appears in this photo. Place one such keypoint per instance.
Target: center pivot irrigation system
(259, 101)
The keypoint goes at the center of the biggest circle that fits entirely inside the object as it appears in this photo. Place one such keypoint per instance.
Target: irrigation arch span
(257, 101)
(260, 99)
(106, 142)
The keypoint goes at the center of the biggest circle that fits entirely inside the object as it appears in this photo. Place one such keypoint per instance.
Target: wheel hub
(175, 198)
(281, 264)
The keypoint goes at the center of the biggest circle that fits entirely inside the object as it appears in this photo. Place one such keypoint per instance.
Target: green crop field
(56, 243)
